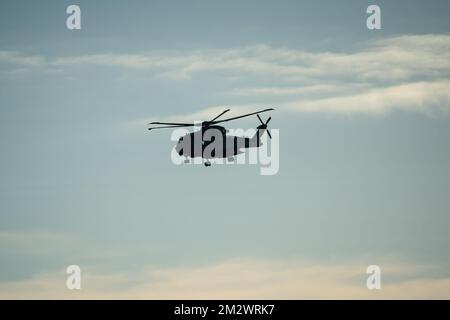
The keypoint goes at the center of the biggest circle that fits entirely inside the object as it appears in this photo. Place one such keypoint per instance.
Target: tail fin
(255, 141)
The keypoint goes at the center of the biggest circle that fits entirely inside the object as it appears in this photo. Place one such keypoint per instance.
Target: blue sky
(364, 156)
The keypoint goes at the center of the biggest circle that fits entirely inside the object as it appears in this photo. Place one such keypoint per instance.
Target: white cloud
(240, 279)
(425, 97)
(14, 58)
(430, 98)
(393, 59)
(408, 73)
(318, 89)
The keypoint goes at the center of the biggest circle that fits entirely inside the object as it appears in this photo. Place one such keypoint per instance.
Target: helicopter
(212, 140)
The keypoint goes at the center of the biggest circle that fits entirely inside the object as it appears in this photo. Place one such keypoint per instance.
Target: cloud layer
(404, 73)
(239, 279)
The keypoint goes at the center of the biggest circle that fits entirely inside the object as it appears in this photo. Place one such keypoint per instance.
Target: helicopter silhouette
(212, 140)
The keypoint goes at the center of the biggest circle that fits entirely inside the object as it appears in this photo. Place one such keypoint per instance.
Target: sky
(363, 120)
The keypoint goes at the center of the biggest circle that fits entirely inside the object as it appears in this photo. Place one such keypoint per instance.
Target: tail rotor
(263, 125)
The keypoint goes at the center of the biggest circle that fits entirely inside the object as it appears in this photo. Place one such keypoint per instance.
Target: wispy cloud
(430, 98)
(239, 279)
(307, 90)
(397, 58)
(394, 59)
(15, 58)
(407, 73)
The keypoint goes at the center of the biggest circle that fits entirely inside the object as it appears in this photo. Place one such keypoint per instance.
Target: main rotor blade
(172, 123)
(245, 115)
(268, 120)
(268, 132)
(177, 126)
(220, 114)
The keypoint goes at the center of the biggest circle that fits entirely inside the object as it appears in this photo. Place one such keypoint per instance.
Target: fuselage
(213, 142)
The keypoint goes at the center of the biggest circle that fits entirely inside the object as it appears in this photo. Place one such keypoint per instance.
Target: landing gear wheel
(186, 161)
(207, 164)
